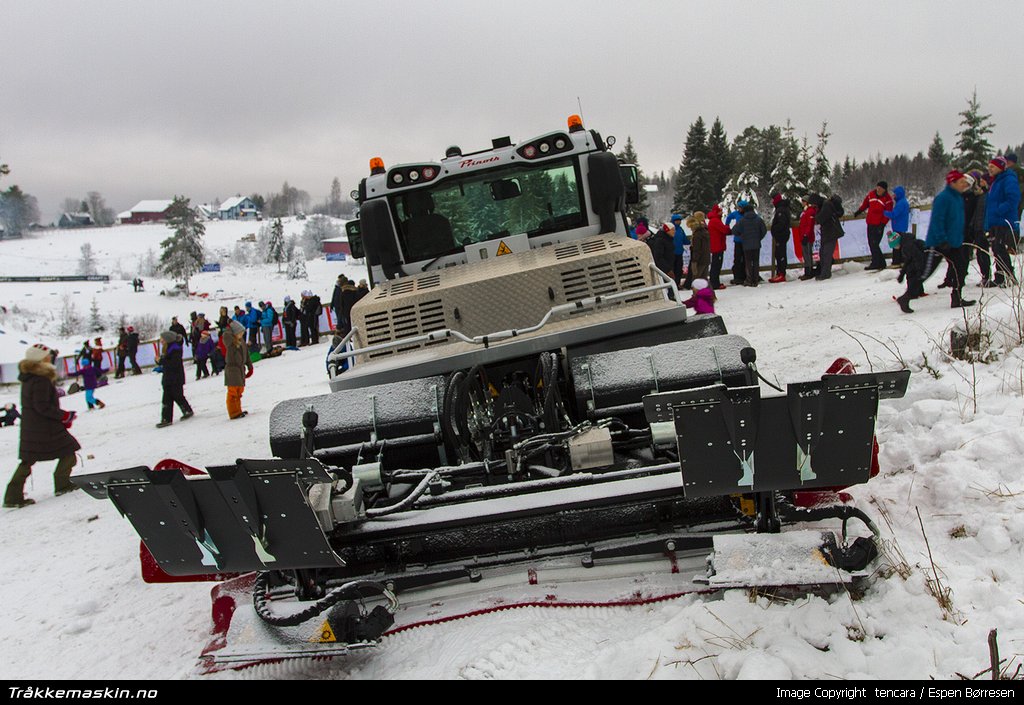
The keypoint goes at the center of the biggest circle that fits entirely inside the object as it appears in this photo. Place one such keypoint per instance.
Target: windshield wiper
(443, 254)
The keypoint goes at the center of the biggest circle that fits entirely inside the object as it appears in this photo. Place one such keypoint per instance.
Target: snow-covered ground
(76, 608)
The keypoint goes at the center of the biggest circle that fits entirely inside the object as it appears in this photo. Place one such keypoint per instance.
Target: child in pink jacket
(703, 299)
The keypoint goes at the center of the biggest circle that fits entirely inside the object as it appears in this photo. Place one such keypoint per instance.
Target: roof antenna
(579, 104)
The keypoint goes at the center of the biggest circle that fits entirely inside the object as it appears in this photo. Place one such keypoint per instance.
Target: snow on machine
(520, 412)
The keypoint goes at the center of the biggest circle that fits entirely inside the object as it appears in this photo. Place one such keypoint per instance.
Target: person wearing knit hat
(202, 350)
(781, 228)
(133, 349)
(237, 367)
(946, 237)
(876, 203)
(44, 428)
(703, 299)
(173, 378)
(1001, 218)
(719, 233)
(290, 316)
(680, 241)
(700, 246)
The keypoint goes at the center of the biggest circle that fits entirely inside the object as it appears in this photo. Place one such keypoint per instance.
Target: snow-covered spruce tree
(786, 179)
(973, 150)
(297, 269)
(628, 156)
(95, 322)
(87, 262)
(182, 254)
(693, 190)
(821, 173)
(70, 323)
(937, 152)
(275, 246)
(743, 187)
(719, 160)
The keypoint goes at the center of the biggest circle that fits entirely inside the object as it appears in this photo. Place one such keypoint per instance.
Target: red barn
(146, 212)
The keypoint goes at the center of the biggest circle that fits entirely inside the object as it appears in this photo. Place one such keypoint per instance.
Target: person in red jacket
(718, 232)
(806, 233)
(876, 203)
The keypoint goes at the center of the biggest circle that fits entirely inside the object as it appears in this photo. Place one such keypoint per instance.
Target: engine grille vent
(604, 278)
(404, 322)
(406, 286)
(588, 247)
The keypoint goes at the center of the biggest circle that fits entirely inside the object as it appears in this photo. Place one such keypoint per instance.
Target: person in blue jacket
(267, 325)
(899, 219)
(739, 267)
(252, 323)
(1001, 221)
(681, 241)
(946, 234)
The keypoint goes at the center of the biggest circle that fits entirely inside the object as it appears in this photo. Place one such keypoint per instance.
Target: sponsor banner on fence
(336, 257)
(69, 278)
(211, 267)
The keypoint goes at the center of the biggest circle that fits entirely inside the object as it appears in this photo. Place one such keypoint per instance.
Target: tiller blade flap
(731, 440)
(250, 516)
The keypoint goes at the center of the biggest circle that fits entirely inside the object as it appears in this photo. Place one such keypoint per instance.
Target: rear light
(560, 143)
(414, 175)
(398, 178)
(429, 173)
(530, 151)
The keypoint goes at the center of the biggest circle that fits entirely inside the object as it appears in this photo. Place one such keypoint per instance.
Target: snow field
(72, 567)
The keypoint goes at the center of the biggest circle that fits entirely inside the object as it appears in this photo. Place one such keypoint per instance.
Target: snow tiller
(521, 412)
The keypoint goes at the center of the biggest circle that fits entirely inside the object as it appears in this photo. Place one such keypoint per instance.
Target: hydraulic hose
(260, 601)
(408, 500)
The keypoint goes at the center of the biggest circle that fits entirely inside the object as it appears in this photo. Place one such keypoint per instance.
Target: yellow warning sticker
(326, 634)
(503, 249)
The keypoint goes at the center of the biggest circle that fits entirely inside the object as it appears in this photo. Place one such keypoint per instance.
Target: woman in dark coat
(44, 428)
(700, 246)
(173, 379)
(829, 212)
(663, 249)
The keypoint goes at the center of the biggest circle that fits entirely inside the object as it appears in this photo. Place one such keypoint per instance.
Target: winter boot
(904, 302)
(957, 301)
(100, 405)
(18, 504)
(164, 424)
(187, 415)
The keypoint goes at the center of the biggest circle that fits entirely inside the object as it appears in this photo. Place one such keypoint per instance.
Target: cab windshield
(530, 199)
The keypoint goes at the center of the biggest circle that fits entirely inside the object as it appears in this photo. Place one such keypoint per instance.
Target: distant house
(207, 211)
(145, 212)
(238, 208)
(336, 245)
(74, 220)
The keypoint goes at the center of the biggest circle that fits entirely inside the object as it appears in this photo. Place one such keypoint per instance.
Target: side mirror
(631, 180)
(505, 189)
(355, 239)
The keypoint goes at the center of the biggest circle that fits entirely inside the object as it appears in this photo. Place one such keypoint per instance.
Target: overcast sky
(148, 99)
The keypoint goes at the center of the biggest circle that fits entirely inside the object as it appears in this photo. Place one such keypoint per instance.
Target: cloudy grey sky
(151, 98)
